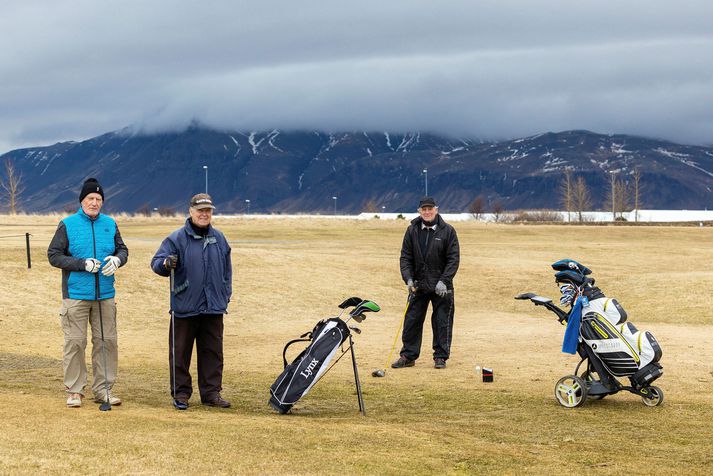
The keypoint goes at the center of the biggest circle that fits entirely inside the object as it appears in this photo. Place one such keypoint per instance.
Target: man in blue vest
(88, 248)
(199, 256)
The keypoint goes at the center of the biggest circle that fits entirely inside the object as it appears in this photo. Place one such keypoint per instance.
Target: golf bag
(622, 349)
(305, 370)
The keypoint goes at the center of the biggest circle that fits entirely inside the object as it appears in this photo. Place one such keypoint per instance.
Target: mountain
(300, 171)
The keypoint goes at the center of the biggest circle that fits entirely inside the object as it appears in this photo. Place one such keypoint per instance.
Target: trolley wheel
(656, 398)
(571, 391)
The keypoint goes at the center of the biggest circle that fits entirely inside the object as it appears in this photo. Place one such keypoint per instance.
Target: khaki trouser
(74, 316)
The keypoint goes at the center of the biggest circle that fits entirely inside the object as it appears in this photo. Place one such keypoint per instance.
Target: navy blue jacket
(204, 275)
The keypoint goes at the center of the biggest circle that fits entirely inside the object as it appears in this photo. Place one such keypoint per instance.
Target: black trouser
(207, 331)
(441, 323)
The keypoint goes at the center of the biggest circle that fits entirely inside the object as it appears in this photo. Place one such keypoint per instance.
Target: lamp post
(248, 203)
(425, 180)
(335, 204)
(205, 167)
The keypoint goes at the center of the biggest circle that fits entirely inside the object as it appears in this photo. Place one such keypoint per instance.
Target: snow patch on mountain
(271, 140)
(683, 158)
(237, 145)
(619, 149)
(388, 141)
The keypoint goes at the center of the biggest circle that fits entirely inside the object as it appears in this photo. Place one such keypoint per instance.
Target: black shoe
(403, 362)
(180, 403)
(439, 363)
(217, 401)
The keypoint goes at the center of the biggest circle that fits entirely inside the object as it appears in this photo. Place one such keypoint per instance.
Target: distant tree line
(623, 193)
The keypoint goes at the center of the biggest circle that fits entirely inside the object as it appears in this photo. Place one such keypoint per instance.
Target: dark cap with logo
(427, 202)
(202, 201)
(91, 185)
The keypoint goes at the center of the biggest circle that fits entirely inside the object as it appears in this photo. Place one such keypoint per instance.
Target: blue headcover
(570, 264)
(571, 276)
(571, 334)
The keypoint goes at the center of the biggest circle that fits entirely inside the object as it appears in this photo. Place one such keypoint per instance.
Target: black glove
(170, 262)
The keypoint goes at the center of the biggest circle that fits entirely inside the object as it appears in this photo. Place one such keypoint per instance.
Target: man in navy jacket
(199, 255)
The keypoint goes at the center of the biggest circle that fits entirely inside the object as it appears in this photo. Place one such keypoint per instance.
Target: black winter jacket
(441, 260)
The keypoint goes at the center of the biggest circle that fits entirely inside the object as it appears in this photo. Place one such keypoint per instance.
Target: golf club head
(350, 302)
(378, 373)
(355, 329)
(105, 407)
(359, 318)
(178, 405)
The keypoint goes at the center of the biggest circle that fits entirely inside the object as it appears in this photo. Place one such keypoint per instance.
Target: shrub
(537, 216)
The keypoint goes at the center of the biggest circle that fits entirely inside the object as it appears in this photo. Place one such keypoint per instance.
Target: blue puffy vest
(90, 239)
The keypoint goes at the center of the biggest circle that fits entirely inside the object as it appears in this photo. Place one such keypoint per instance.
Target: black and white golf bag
(622, 348)
(298, 377)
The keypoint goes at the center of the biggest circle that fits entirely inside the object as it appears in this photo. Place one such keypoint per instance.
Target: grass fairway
(290, 273)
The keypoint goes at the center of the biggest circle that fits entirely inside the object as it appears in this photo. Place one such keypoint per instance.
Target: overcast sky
(491, 69)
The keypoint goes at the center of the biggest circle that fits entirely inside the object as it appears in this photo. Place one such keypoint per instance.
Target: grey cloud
(485, 69)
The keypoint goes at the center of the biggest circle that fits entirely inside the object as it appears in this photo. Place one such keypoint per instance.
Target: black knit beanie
(91, 185)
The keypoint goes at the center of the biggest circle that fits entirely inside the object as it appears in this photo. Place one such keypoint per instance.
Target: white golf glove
(441, 289)
(92, 265)
(111, 264)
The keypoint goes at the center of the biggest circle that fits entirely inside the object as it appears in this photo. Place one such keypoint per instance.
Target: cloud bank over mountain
(489, 70)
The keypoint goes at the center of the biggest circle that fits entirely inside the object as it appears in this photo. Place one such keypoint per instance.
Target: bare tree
(611, 195)
(370, 207)
(622, 197)
(582, 199)
(617, 196)
(477, 207)
(637, 192)
(12, 185)
(566, 193)
(498, 208)
(144, 210)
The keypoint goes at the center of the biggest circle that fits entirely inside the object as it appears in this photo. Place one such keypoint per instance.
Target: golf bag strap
(294, 341)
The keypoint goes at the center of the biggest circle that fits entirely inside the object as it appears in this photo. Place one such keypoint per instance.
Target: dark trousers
(207, 331)
(441, 323)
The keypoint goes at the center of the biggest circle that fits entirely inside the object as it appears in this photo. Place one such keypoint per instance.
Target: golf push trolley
(606, 350)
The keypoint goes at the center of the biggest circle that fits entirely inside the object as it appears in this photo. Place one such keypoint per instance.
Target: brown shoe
(403, 362)
(217, 401)
(439, 363)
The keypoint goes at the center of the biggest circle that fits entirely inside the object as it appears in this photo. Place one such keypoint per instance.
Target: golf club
(178, 405)
(106, 405)
(382, 372)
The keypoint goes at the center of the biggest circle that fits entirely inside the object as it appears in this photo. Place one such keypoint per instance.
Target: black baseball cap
(427, 202)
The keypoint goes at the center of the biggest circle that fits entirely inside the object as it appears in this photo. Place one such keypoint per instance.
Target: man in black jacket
(430, 256)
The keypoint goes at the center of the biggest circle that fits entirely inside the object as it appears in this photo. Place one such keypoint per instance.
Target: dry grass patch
(291, 273)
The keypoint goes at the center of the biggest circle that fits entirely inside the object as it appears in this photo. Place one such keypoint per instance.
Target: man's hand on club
(441, 289)
(411, 286)
(111, 264)
(170, 262)
(92, 265)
